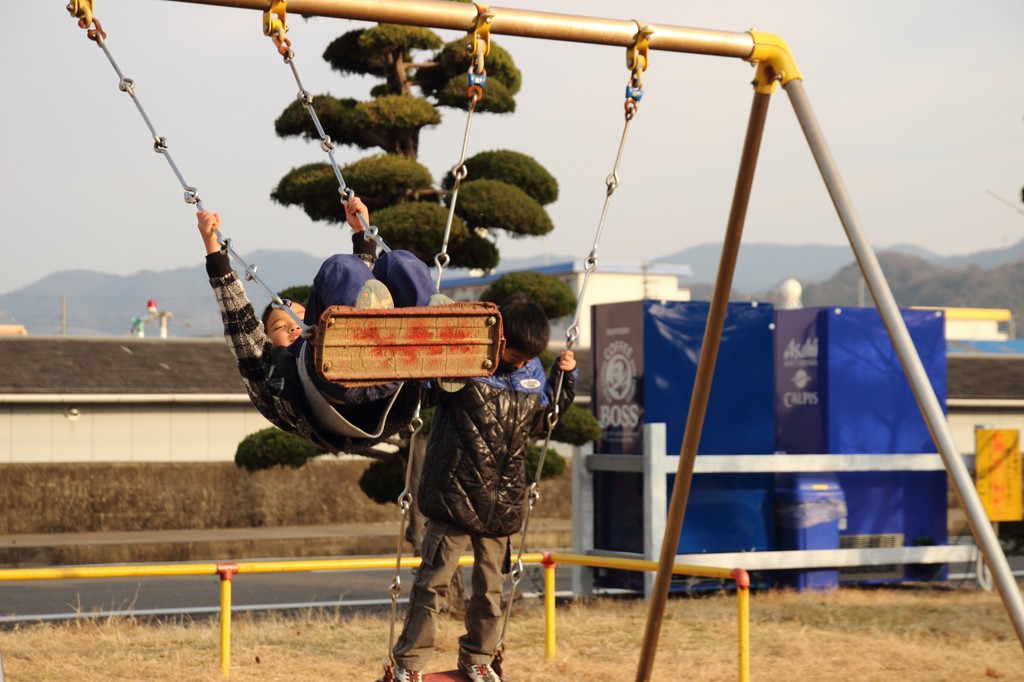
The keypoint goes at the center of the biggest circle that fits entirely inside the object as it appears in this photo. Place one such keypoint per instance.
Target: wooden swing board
(358, 347)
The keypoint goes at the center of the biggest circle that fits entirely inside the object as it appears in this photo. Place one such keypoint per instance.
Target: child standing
(473, 490)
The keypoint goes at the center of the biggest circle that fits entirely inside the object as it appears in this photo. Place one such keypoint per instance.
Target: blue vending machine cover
(841, 389)
(740, 418)
(645, 365)
(840, 385)
(724, 512)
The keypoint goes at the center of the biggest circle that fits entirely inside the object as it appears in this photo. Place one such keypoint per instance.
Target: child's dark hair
(526, 326)
(266, 314)
(270, 308)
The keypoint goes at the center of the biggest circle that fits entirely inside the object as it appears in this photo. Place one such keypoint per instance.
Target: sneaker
(479, 673)
(439, 299)
(374, 295)
(404, 675)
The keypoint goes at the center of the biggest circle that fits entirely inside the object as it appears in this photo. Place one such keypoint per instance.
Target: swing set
(473, 330)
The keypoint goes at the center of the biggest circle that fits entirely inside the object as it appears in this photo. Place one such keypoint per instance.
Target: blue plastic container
(809, 509)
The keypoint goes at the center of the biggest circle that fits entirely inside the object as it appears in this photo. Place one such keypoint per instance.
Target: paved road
(22, 601)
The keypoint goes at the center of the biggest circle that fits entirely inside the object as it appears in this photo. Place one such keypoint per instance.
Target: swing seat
(361, 347)
(445, 676)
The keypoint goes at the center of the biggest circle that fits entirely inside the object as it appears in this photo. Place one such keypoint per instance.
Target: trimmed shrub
(273, 447)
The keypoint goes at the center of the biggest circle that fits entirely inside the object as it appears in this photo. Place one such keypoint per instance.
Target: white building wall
(112, 433)
(123, 432)
(964, 419)
(975, 330)
(5, 435)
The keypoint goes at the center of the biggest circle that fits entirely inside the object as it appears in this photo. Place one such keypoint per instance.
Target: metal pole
(743, 631)
(227, 572)
(443, 14)
(911, 361)
(549, 607)
(702, 383)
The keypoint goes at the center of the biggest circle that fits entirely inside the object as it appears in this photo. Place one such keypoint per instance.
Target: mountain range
(86, 303)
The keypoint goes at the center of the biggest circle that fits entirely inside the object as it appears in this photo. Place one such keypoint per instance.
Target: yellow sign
(998, 480)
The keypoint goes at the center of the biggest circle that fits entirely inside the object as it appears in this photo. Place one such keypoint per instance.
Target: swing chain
(404, 502)
(82, 10)
(275, 26)
(478, 44)
(477, 78)
(636, 61)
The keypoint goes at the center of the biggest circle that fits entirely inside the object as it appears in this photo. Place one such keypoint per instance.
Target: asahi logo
(796, 351)
(618, 381)
(801, 380)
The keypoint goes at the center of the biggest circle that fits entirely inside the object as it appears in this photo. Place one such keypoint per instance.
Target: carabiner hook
(275, 26)
(481, 34)
(81, 10)
(636, 62)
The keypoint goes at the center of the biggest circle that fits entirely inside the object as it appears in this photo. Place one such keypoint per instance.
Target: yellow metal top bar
(441, 14)
(985, 314)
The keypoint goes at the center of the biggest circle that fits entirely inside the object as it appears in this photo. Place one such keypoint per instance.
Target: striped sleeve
(246, 337)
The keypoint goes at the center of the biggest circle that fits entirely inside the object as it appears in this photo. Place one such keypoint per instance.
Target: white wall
(123, 432)
(963, 420)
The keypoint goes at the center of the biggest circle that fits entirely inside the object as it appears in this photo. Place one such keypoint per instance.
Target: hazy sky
(922, 104)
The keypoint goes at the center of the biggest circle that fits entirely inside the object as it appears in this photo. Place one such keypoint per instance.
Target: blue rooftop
(1009, 347)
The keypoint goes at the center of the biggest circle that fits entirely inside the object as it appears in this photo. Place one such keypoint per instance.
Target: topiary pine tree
(554, 296)
(502, 190)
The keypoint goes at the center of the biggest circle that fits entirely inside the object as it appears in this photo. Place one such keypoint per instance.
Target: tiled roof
(985, 376)
(33, 365)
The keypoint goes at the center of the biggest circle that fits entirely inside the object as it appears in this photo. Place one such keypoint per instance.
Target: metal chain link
(404, 501)
(85, 18)
(634, 92)
(276, 30)
(275, 27)
(477, 78)
(479, 47)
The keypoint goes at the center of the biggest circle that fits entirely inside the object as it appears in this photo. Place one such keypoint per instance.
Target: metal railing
(227, 571)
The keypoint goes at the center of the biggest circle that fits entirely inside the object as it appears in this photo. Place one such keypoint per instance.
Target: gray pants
(442, 545)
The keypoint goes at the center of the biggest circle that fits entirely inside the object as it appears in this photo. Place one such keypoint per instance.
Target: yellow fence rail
(228, 570)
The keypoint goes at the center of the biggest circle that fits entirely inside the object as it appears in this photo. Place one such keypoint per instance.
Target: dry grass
(890, 634)
(92, 497)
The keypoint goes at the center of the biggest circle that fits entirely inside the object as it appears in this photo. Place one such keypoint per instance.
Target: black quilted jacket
(473, 474)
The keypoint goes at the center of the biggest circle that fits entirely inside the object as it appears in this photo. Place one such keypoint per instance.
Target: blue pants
(338, 283)
(342, 276)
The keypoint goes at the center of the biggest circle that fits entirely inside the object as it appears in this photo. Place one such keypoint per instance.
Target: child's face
(282, 330)
(515, 357)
